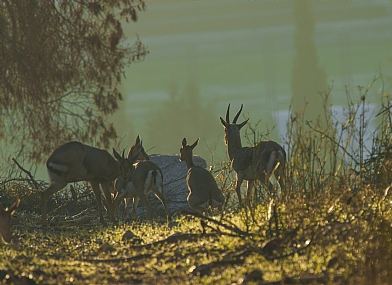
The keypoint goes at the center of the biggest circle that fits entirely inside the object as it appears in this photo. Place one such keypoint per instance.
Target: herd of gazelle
(135, 176)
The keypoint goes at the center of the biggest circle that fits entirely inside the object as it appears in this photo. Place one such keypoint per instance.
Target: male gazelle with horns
(74, 162)
(203, 190)
(258, 162)
(143, 177)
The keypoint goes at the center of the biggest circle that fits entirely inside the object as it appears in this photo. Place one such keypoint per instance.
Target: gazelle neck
(233, 145)
(189, 161)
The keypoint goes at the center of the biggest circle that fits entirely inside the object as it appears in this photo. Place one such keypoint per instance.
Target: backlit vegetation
(332, 224)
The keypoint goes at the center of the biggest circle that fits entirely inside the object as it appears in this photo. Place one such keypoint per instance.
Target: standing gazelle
(144, 176)
(258, 162)
(6, 221)
(74, 162)
(203, 190)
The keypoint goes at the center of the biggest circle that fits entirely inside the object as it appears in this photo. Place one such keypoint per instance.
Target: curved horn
(237, 115)
(227, 114)
(123, 154)
(137, 141)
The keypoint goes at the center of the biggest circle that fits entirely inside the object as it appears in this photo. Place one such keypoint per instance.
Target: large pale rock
(174, 180)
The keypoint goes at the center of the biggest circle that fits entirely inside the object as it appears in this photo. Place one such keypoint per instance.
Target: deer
(259, 162)
(145, 176)
(75, 162)
(203, 189)
(6, 221)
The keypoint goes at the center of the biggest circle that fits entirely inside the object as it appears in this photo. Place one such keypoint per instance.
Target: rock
(174, 175)
(128, 235)
(174, 181)
(106, 247)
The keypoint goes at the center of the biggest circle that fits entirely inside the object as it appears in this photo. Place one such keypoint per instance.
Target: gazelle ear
(184, 142)
(116, 155)
(243, 123)
(137, 140)
(134, 158)
(195, 143)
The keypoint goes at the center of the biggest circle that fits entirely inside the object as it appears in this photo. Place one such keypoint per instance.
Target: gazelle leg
(145, 201)
(57, 183)
(127, 202)
(281, 179)
(134, 206)
(161, 197)
(249, 191)
(108, 196)
(117, 202)
(97, 194)
(238, 182)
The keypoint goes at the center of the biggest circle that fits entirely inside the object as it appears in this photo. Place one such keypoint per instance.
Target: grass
(339, 235)
(332, 224)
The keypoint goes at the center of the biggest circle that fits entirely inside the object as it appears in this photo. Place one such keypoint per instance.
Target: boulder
(174, 182)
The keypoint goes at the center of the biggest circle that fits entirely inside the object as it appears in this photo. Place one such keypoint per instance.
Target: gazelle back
(203, 190)
(258, 162)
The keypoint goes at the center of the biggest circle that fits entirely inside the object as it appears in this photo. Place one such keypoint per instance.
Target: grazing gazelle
(145, 176)
(6, 221)
(74, 162)
(203, 190)
(258, 162)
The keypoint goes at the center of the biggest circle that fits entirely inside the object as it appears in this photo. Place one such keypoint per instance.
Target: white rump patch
(280, 156)
(148, 182)
(271, 162)
(59, 167)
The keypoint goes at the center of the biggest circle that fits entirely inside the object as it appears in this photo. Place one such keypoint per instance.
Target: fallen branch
(123, 259)
(174, 239)
(28, 174)
(231, 227)
(308, 279)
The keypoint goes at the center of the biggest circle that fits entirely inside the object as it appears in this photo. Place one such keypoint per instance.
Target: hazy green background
(206, 54)
(240, 52)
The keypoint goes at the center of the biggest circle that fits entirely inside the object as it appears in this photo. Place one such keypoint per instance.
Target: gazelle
(145, 176)
(203, 190)
(6, 221)
(258, 162)
(74, 162)
(137, 152)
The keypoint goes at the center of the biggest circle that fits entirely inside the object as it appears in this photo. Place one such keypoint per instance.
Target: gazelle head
(136, 152)
(232, 130)
(6, 221)
(186, 150)
(125, 164)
